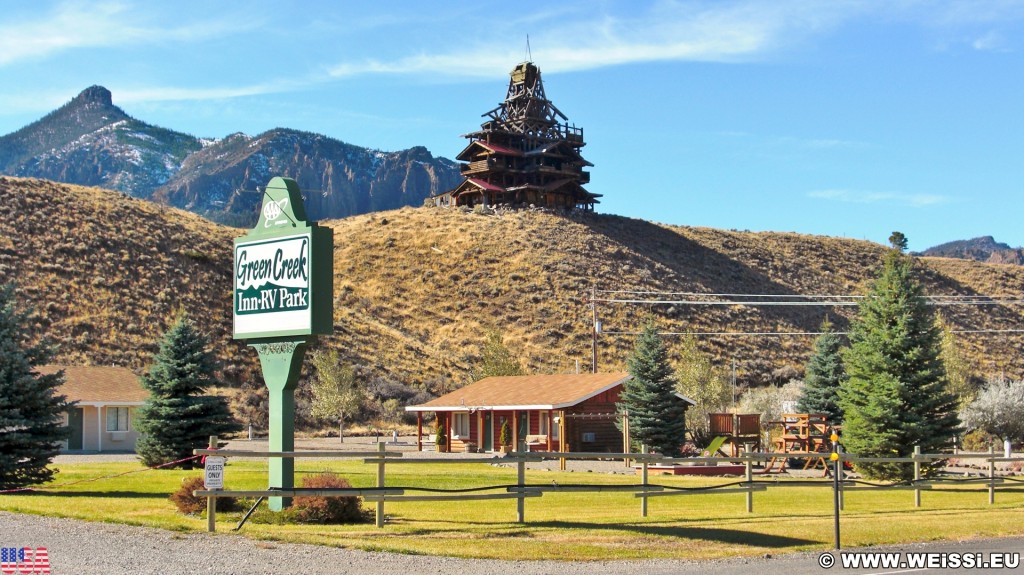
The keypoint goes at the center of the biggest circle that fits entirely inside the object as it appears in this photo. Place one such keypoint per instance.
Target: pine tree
(30, 410)
(896, 396)
(824, 375)
(178, 417)
(656, 414)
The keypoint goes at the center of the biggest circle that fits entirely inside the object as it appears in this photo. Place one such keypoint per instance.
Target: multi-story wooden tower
(525, 153)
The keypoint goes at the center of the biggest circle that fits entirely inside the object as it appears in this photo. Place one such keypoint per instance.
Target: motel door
(75, 422)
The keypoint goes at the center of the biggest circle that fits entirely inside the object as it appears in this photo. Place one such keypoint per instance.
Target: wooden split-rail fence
(644, 490)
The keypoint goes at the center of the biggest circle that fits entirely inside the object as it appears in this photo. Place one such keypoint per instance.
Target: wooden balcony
(477, 167)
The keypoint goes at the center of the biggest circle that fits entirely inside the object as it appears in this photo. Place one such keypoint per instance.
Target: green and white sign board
(283, 272)
(283, 299)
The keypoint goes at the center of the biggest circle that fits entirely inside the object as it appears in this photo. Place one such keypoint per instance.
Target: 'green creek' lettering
(277, 268)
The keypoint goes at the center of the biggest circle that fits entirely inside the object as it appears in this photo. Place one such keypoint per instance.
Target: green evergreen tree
(824, 375)
(30, 410)
(896, 395)
(656, 414)
(497, 359)
(178, 417)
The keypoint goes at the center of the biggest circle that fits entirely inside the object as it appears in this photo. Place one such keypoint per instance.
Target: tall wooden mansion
(525, 153)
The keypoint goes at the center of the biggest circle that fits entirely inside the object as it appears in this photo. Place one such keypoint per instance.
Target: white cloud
(172, 93)
(669, 31)
(73, 25)
(992, 42)
(584, 37)
(867, 197)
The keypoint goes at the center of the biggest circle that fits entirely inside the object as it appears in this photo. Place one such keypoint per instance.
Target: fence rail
(644, 490)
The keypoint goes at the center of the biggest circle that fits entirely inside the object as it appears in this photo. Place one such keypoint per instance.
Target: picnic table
(802, 433)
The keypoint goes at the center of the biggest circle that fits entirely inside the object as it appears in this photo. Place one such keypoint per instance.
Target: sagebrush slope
(417, 289)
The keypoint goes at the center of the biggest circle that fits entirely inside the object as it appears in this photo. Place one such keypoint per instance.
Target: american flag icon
(24, 560)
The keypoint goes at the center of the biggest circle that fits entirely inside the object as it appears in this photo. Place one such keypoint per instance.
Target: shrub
(978, 440)
(441, 436)
(315, 509)
(505, 436)
(192, 505)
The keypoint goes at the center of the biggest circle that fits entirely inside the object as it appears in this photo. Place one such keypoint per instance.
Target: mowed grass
(578, 526)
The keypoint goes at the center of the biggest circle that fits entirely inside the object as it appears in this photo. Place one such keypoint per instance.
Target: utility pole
(595, 329)
(734, 381)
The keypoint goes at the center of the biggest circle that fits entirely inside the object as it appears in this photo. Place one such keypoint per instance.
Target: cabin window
(117, 419)
(460, 425)
(542, 423)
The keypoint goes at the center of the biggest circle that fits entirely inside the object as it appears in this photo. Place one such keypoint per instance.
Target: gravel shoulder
(99, 548)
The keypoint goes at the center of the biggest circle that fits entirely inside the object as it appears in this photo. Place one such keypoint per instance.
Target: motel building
(569, 412)
(105, 402)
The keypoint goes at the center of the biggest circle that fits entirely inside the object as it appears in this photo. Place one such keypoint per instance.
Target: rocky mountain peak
(982, 249)
(95, 95)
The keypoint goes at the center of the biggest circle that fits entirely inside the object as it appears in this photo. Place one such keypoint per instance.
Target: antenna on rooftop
(529, 53)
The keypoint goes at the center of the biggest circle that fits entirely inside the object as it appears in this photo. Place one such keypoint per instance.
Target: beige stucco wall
(94, 419)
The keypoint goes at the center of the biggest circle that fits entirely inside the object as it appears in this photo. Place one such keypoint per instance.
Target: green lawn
(558, 525)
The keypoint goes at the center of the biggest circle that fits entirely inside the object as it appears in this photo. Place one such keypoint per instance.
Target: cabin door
(488, 438)
(524, 426)
(75, 421)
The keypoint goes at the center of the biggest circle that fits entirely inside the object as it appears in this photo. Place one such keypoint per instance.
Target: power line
(788, 333)
(814, 300)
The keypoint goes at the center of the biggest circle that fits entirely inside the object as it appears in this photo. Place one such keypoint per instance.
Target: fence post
(748, 466)
(839, 471)
(521, 481)
(643, 475)
(211, 501)
(991, 475)
(917, 476)
(380, 484)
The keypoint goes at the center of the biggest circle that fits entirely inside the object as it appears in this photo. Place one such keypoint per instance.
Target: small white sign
(214, 478)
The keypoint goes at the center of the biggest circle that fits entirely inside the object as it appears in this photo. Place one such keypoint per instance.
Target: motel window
(460, 425)
(548, 424)
(117, 419)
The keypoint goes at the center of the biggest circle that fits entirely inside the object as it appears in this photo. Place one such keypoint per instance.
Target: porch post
(99, 428)
(448, 428)
(419, 431)
(515, 430)
(550, 428)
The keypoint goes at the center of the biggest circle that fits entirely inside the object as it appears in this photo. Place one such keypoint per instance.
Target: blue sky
(840, 118)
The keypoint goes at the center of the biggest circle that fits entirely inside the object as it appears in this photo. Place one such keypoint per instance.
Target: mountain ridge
(90, 141)
(981, 249)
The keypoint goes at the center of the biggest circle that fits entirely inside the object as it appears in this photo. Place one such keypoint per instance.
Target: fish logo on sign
(272, 212)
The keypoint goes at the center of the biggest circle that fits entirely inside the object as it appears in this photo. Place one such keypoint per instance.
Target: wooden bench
(536, 442)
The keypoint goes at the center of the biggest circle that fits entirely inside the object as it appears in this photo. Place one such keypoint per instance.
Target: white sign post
(214, 478)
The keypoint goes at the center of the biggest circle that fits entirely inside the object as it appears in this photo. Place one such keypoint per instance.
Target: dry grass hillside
(106, 273)
(418, 289)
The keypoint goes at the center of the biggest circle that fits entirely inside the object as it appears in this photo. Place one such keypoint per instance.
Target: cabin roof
(98, 384)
